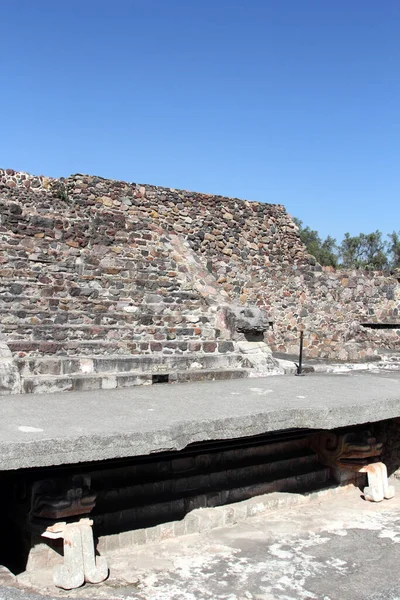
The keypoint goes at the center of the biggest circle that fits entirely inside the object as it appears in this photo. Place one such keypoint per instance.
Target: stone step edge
(129, 295)
(134, 315)
(201, 520)
(138, 275)
(135, 283)
(108, 381)
(15, 327)
(93, 364)
(53, 261)
(197, 302)
(128, 357)
(78, 280)
(48, 347)
(290, 368)
(124, 374)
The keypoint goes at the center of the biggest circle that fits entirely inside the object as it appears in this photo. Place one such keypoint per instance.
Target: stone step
(44, 280)
(117, 346)
(392, 365)
(389, 356)
(45, 348)
(140, 363)
(76, 317)
(22, 269)
(29, 275)
(62, 304)
(135, 287)
(126, 331)
(134, 261)
(42, 384)
(56, 271)
(133, 291)
(141, 237)
(18, 302)
(81, 281)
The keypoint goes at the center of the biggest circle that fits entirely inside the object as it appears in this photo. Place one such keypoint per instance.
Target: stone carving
(355, 451)
(54, 499)
(81, 565)
(55, 507)
(350, 450)
(250, 319)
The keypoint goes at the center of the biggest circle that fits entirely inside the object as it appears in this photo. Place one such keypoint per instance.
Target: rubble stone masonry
(82, 256)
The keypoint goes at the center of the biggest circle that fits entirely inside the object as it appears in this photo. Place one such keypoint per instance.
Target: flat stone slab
(66, 428)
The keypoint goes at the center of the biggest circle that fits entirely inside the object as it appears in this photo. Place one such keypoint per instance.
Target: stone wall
(99, 249)
(225, 230)
(68, 263)
(331, 307)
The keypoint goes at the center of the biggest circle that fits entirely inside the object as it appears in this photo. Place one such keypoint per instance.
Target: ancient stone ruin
(107, 284)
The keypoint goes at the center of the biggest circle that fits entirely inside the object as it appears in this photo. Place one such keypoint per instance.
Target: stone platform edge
(94, 447)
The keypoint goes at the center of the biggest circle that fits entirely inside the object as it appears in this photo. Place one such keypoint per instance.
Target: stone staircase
(390, 361)
(101, 317)
(45, 374)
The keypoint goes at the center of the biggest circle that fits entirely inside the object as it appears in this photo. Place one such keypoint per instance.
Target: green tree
(324, 251)
(394, 249)
(364, 251)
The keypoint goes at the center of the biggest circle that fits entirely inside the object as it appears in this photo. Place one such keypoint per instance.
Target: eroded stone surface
(59, 428)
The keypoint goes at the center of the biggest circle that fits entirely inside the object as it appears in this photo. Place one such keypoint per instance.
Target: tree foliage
(364, 251)
(324, 251)
(394, 249)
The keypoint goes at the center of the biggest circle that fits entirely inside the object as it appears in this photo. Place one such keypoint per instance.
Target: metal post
(300, 365)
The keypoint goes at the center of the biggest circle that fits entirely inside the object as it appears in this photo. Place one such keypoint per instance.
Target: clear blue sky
(294, 102)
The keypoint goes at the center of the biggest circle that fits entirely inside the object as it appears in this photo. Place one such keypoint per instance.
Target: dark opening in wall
(160, 378)
(381, 325)
(254, 336)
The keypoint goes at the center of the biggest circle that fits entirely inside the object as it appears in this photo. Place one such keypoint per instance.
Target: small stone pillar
(60, 509)
(378, 486)
(81, 565)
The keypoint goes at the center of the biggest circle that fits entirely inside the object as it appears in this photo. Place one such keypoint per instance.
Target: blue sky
(295, 102)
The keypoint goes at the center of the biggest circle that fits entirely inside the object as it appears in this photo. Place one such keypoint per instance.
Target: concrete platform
(67, 428)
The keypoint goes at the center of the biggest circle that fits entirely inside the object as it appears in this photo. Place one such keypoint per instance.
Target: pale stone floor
(334, 548)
